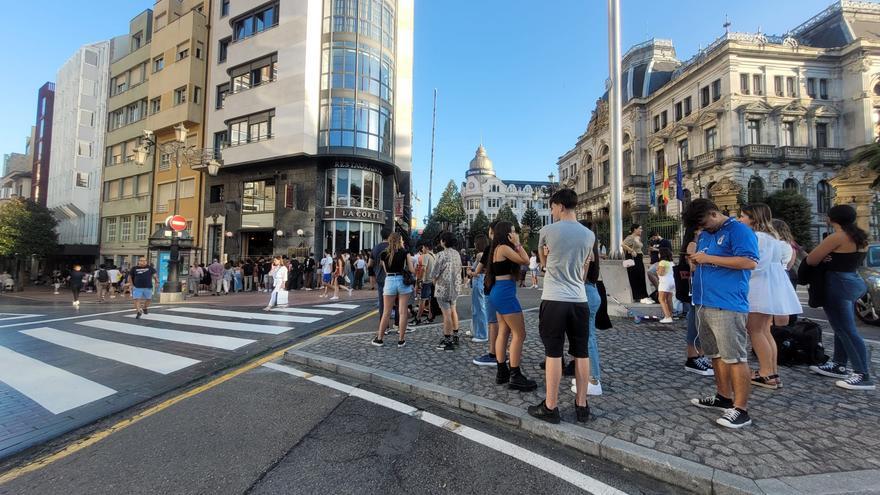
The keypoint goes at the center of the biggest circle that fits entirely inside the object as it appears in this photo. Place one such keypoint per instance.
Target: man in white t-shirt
(115, 278)
(326, 271)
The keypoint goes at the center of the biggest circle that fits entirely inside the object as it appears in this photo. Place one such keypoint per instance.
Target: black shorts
(560, 319)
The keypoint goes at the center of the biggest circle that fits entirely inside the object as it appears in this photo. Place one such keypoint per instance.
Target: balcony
(759, 152)
(829, 155)
(594, 193)
(707, 159)
(795, 154)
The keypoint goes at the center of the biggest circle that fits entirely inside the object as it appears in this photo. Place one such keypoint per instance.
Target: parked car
(868, 306)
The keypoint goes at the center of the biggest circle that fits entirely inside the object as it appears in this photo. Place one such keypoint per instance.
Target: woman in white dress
(770, 293)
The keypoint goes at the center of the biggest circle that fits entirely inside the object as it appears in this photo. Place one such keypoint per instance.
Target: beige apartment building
(746, 116)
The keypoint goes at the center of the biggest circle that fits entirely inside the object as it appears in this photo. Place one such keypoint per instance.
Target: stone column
(725, 194)
(852, 186)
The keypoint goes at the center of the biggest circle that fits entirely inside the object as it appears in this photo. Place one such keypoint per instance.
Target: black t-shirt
(142, 277)
(658, 244)
(377, 268)
(247, 270)
(76, 278)
(397, 262)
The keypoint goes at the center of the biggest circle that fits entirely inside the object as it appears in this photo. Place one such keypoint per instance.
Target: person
(267, 268)
(75, 282)
(533, 269)
(505, 257)
(426, 290)
(376, 260)
(339, 277)
(393, 260)
(695, 361)
(727, 252)
(206, 277)
(565, 247)
(359, 266)
(309, 271)
(237, 278)
(482, 263)
(227, 278)
(216, 271)
(523, 273)
(840, 255)
(194, 279)
(102, 283)
(655, 243)
(279, 278)
(665, 283)
(446, 275)
(115, 279)
(770, 293)
(594, 303)
(326, 273)
(479, 321)
(247, 272)
(143, 278)
(791, 252)
(632, 249)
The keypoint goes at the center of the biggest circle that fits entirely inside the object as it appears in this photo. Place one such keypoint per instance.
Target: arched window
(756, 190)
(626, 139)
(603, 151)
(877, 89)
(688, 196)
(791, 184)
(823, 197)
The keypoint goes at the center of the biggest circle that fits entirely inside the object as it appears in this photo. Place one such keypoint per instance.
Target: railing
(795, 153)
(161, 208)
(829, 155)
(709, 158)
(250, 140)
(759, 151)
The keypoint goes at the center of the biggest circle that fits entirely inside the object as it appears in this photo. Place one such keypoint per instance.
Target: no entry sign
(176, 222)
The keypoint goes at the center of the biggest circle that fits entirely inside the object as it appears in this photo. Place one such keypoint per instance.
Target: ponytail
(845, 216)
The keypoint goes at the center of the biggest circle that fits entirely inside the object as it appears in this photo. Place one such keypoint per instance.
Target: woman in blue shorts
(395, 259)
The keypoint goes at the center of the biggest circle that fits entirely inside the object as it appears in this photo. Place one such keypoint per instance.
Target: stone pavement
(809, 427)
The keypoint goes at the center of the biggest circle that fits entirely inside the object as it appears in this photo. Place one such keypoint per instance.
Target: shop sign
(354, 214)
(356, 166)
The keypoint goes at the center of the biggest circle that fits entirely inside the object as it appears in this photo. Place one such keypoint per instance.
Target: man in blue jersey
(727, 252)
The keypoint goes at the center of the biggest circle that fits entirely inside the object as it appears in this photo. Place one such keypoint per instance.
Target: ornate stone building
(746, 116)
(483, 190)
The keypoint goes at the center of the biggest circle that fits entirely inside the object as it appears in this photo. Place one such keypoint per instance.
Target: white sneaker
(349, 291)
(666, 320)
(334, 298)
(592, 389)
(647, 300)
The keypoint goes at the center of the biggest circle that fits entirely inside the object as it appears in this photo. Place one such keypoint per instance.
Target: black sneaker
(445, 345)
(146, 312)
(831, 369)
(734, 418)
(401, 343)
(502, 376)
(583, 413)
(713, 402)
(521, 382)
(138, 315)
(699, 366)
(377, 342)
(455, 339)
(540, 411)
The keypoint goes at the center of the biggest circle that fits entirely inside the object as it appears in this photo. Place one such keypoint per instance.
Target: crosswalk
(36, 366)
(5, 317)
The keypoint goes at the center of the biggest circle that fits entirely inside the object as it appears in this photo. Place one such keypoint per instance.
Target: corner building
(310, 109)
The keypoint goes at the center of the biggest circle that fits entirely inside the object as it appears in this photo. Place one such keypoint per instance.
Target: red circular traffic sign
(176, 223)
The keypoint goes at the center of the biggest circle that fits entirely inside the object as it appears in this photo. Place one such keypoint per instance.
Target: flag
(665, 190)
(652, 191)
(679, 187)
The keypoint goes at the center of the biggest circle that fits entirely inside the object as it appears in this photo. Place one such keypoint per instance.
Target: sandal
(777, 380)
(765, 382)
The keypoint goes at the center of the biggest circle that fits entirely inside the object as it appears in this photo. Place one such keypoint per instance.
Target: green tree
(431, 231)
(871, 155)
(480, 225)
(449, 211)
(794, 209)
(505, 214)
(26, 229)
(532, 222)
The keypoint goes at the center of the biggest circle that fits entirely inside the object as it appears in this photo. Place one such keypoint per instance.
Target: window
(200, 50)
(125, 229)
(606, 173)
(221, 139)
(187, 188)
(224, 8)
(756, 190)
(656, 123)
(823, 89)
(494, 188)
(711, 138)
(789, 86)
(89, 87)
(788, 134)
(823, 197)
(127, 188)
(660, 158)
(86, 118)
(165, 161)
(180, 95)
(111, 190)
(215, 194)
(159, 21)
(791, 184)
(589, 179)
(84, 148)
(182, 51)
(197, 95)
(137, 40)
(683, 151)
(753, 128)
(164, 194)
(223, 50)
(256, 22)
(821, 135)
(82, 179)
(687, 106)
(140, 227)
(677, 111)
(238, 133)
(663, 121)
(155, 105)
(222, 91)
(811, 87)
(255, 73)
(158, 63)
(119, 84)
(758, 84)
(704, 97)
(777, 86)
(142, 184)
(494, 202)
(627, 162)
(716, 89)
(110, 230)
(259, 196)
(744, 84)
(257, 127)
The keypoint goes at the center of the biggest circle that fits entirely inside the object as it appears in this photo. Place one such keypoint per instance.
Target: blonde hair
(395, 242)
(762, 218)
(783, 230)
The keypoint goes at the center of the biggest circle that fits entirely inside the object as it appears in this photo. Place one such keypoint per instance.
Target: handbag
(408, 277)
(629, 263)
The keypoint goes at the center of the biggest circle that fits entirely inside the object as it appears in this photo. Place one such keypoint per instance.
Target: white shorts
(666, 286)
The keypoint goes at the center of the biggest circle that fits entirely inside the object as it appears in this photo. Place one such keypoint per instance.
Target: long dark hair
(499, 238)
(845, 216)
(593, 269)
(690, 235)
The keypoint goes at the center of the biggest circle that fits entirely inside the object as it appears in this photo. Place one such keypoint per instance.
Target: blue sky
(523, 74)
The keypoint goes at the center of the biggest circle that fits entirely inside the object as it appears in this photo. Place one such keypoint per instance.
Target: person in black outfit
(75, 280)
(247, 273)
(309, 271)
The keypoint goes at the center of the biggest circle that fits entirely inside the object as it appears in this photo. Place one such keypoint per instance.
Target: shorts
(427, 290)
(503, 297)
(535, 272)
(394, 285)
(559, 319)
(445, 305)
(139, 293)
(666, 285)
(326, 278)
(723, 334)
(491, 314)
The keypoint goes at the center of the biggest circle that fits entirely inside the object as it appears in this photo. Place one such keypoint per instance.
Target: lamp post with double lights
(198, 159)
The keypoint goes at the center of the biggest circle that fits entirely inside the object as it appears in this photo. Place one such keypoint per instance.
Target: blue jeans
(842, 291)
(479, 321)
(273, 299)
(593, 302)
(692, 337)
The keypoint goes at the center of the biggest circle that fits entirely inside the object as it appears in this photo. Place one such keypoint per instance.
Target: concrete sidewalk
(807, 438)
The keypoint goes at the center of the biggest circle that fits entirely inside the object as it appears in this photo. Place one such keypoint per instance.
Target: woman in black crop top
(505, 257)
(395, 259)
(841, 254)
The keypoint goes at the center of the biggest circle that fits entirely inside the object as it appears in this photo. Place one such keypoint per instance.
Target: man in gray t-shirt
(564, 247)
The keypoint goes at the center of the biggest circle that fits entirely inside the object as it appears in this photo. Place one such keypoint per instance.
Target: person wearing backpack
(102, 283)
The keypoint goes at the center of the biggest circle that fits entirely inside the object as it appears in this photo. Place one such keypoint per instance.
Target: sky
(520, 75)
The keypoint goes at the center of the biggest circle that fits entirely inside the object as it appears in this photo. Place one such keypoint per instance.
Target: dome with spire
(481, 164)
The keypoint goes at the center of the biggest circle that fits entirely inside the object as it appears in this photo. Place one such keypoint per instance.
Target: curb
(668, 468)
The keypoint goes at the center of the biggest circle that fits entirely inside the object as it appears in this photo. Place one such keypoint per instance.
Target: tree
(26, 229)
(871, 155)
(794, 209)
(505, 214)
(449, 211)
(431, 231)
(480, 225)
(532, 222)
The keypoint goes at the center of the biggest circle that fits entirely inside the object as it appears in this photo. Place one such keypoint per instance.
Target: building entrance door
(258, 244)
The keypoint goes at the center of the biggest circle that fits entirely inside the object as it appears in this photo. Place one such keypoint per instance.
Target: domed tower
(481, 164)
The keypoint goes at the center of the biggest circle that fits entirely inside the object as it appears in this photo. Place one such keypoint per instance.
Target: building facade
(17, 172)
(78, 123)
(746, 116)
(310, 107)
(483, 190)
(42, 143)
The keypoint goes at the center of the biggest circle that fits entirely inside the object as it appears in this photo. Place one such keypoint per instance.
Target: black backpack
(103, 276)
(800, 343)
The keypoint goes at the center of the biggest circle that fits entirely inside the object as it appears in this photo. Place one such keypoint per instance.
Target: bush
(795, 210)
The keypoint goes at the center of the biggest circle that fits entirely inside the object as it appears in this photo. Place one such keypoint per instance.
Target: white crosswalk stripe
(53, 388)
(219, 324)
(16, 316)
(308, 311)
(203, 339)
(338, 306)
(160, 362)
(246, 316)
